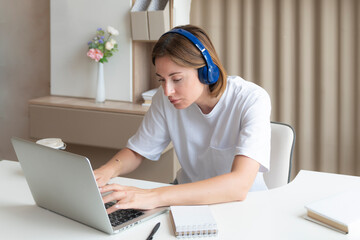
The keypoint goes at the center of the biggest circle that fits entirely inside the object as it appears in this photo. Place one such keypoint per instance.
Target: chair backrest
(282, 147)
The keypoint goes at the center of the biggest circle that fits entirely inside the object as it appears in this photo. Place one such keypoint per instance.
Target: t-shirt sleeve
(152, 137)
(255, 130)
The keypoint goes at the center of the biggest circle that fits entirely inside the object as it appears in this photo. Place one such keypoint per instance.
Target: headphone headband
(208, 74)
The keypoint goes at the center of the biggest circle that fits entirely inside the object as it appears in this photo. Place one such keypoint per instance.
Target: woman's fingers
(127, 197)
(113, 194)
(101, 180)
(111, 187)
(116, 193)
(118, 205)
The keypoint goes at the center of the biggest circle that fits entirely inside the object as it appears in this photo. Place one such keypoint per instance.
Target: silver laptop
(64, 183)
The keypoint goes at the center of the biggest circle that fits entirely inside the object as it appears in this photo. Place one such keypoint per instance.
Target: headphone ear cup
(203, 75)
(208, 76)
(213, 74)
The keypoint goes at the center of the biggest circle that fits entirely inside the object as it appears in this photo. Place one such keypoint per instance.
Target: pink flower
(91, 53)
(95, 54)
(98, 55)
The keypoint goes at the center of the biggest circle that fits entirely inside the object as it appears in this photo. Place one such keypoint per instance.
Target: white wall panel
(73, 24)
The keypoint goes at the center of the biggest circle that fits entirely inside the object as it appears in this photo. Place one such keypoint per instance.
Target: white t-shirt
(206, 144)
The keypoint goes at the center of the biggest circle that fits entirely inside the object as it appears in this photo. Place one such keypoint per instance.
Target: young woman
(219, 126)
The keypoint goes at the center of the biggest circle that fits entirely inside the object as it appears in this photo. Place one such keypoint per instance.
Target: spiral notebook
(193, 221)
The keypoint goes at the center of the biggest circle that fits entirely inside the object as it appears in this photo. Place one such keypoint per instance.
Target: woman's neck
(207, 102)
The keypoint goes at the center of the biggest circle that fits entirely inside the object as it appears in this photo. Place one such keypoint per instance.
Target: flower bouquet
(102, 46)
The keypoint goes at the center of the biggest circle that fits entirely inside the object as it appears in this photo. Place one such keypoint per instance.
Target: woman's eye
(161, 80)
(177, 80)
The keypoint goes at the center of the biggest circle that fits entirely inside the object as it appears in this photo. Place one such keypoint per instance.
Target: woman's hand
(129, 197)
(102, 176)
(125, 161)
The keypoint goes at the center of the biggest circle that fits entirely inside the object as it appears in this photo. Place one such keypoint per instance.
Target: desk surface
(274, 214)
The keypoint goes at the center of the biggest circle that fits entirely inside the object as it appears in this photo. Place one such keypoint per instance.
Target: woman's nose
(168, 89)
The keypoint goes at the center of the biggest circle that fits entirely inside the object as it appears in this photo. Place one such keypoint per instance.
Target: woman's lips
(174, 101)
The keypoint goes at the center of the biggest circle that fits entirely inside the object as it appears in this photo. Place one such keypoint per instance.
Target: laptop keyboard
(122, 215)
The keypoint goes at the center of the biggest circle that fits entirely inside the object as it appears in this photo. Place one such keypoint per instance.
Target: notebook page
(193, 220)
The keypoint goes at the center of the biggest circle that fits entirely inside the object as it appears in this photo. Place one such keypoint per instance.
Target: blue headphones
(208, 74)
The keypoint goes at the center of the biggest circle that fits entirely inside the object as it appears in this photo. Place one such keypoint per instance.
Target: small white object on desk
(340, 212)
(56, 143)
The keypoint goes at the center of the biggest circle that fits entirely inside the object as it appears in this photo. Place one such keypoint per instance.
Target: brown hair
(184, 53)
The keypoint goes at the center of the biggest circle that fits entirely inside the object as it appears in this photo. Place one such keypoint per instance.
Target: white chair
(282, 147)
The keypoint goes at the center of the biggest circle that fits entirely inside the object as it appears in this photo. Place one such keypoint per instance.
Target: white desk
(275, 214)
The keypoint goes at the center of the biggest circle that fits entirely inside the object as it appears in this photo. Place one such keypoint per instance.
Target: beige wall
(306, 54)
(24, 65)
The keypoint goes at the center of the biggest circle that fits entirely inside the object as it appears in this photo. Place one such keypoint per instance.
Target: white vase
(100, 91)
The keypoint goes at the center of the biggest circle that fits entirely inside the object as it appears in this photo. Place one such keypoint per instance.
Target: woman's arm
(232, 186)
(125, 161)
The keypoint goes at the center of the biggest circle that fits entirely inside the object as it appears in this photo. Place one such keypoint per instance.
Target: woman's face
(180, 84)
